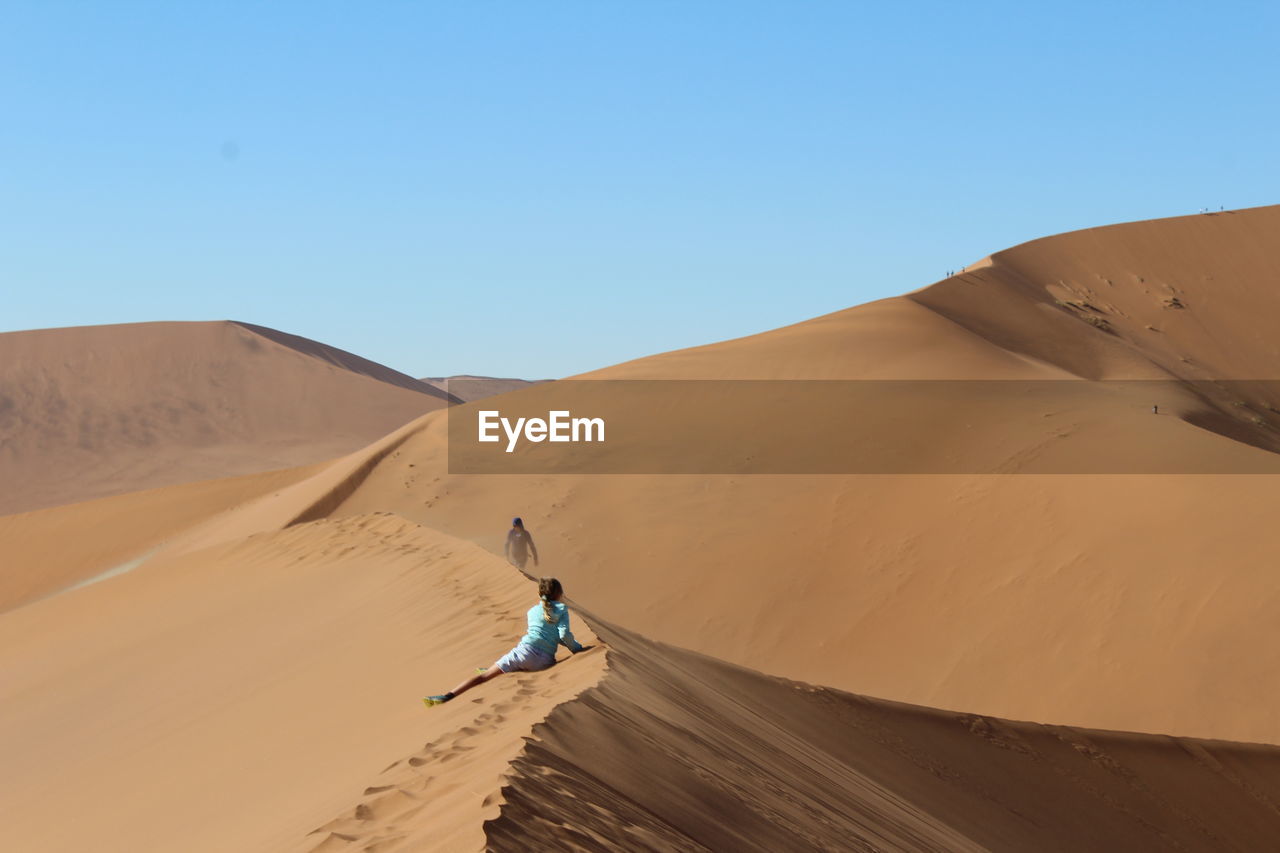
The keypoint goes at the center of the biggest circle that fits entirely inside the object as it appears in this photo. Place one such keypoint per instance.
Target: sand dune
(1192, 296)
(103, 410)
(274, 644)
(283, 670)
(1074, 600)
(1126, 602)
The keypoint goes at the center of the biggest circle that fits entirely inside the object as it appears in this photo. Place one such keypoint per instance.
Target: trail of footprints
(384, 820)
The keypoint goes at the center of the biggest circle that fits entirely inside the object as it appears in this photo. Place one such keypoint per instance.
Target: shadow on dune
(675, 750)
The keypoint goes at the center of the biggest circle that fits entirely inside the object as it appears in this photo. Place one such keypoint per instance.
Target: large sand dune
(1119, 601)
(253, 684)
(103, 410)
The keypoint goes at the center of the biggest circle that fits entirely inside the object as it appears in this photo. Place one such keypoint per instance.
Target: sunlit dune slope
(47, 550)
(257, 696)
(1130, 602)
(101, 410)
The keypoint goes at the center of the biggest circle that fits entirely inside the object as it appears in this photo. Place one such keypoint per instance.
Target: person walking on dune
(520, 545)
(548, 629)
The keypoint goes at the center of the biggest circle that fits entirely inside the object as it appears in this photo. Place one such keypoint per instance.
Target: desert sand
(252, 682)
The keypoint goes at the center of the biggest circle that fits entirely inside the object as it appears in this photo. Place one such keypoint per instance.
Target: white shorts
(525, 659)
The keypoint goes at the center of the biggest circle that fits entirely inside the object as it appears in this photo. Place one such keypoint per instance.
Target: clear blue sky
(540, 188)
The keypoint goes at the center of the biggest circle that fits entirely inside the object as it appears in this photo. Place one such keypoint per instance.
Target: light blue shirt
(546, 636)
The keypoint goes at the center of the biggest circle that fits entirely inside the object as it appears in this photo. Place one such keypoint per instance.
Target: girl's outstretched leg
(479, 678)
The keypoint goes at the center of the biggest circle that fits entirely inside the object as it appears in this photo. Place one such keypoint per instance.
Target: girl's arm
(566, 636)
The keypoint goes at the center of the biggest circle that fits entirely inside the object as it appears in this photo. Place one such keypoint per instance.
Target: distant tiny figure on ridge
(548, 629)
(1155, 410)
(519, 545)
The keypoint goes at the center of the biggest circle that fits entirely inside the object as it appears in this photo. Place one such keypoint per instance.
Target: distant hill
(467, 388)
(92, 411)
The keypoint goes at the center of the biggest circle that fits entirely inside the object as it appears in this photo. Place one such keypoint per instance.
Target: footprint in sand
(334, 841)
(373, 823)
(394, 806)
(454, 753)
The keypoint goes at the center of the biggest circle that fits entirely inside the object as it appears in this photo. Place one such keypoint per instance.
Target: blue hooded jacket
(546, 636)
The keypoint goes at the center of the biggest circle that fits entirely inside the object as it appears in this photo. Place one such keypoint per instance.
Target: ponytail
(549, 588)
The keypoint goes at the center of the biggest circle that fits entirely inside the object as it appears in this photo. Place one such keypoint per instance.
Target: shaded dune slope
(348, 361)
(101, 410)
(677, 751)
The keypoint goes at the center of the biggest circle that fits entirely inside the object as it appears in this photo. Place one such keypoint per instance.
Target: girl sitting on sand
(548, 627)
